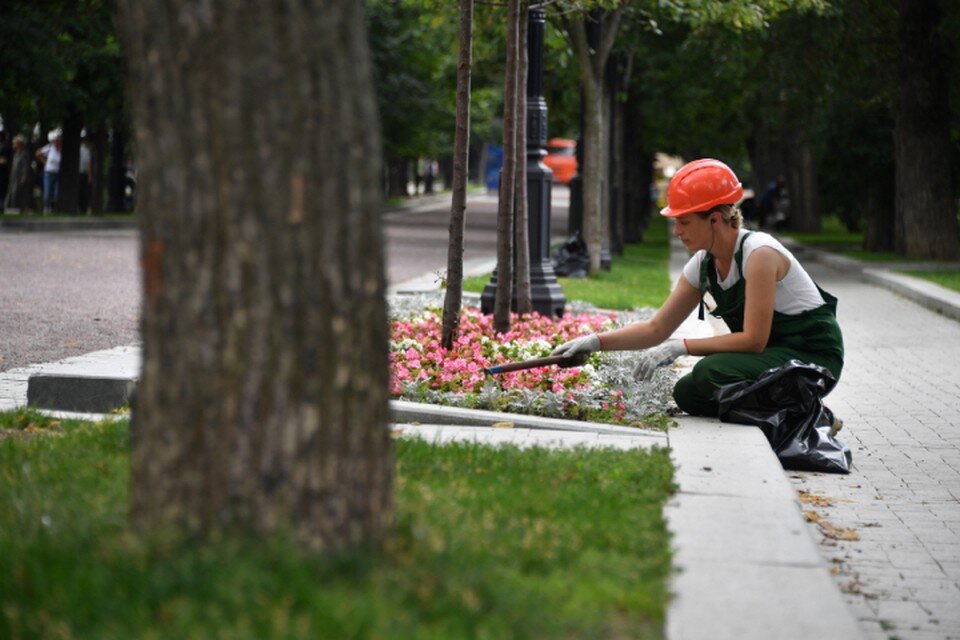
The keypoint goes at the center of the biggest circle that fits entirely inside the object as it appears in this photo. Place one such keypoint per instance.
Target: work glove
(583, 345)
(659, 356)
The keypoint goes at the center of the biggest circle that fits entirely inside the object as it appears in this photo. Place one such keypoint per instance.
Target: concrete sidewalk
(749, 565)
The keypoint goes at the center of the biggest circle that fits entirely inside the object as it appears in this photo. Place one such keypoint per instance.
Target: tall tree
(263, 396)
(453, 298)
(926, 212)
(522, 235)
(508, 177)
(592, 66)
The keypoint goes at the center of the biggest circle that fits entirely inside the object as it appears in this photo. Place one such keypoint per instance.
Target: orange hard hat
(701, 185)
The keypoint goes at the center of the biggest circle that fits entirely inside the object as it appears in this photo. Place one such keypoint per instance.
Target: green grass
(489, 543)
(638, 278)
(949, 278)
(833, 236)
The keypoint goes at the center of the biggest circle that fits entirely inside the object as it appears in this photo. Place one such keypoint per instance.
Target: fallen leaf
(816, 500)
(502, 425)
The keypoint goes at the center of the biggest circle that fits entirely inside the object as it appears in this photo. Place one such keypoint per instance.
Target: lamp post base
(545, 292)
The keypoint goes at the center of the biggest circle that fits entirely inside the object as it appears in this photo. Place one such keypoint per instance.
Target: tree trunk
(262, 402)
(804, 215)
(926, 213)
(592, 62)
(453, 298)
(522, 239)
(397, 176)
(67, 201)
(99, 152)
(504, 295)
(117, 172)
(879, 232)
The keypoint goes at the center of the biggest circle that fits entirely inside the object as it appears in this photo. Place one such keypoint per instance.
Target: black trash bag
(571, 258)
(787, 404)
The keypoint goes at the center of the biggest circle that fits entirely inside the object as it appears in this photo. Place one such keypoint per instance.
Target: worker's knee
(694, 395)
(694, 392)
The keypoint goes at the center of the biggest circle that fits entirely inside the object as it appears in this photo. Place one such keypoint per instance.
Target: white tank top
(796, 293)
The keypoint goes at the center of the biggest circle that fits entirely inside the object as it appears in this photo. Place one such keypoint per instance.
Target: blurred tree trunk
(804, 215)
(263, 397)
(453, 298)
(522, 239)
(99, 152)
(398, 174)
(508, 177)
(878, 234)
(926, 212)
(69, 197)
(117, 174)
(592, 64)
(606, 144)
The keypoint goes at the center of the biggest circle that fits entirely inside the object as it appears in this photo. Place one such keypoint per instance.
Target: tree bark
(453, 298)
(117, 172)
(397, 176)
(522, 239)
(592, 63)
(508, 175)
(99, 151)
(262, 403)
(69, 197)
(925, 210)
(804, 215)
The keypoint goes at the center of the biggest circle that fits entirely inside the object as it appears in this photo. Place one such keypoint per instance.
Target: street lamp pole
(545, 291)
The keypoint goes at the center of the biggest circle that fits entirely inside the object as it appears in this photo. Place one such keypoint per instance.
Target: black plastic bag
(571, 258)
(787, 404)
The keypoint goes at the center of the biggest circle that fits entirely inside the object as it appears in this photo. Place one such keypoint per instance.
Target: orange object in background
(561, 159)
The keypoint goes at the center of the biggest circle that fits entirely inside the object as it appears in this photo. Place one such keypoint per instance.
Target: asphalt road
(64, 294)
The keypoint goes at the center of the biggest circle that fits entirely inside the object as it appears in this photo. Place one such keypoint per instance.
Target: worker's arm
(640, 335)
(764, 268)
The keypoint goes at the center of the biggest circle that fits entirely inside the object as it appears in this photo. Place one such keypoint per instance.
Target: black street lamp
(545, 291)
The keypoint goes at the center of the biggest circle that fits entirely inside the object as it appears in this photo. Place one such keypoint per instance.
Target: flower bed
(602, 390)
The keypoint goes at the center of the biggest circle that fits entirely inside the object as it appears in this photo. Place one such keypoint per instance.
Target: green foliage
(493, 543)
(57, 55)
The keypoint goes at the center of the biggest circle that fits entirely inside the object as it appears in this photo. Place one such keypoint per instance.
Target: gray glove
(584, 344)
(660, 356)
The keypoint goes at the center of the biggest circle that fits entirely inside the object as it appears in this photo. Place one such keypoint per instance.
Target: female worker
(773, 308)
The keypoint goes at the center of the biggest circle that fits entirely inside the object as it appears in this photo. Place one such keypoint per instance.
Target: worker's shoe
(836, 426)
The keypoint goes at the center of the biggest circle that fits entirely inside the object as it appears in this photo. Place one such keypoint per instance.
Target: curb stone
(39, 225)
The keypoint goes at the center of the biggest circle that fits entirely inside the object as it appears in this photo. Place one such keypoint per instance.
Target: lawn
(637, 279)
(949, 278)
(489, 543)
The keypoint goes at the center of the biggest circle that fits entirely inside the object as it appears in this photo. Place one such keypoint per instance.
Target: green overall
(812, 336)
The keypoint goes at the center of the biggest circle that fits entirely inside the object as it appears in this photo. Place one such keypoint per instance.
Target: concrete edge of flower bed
(405, 412)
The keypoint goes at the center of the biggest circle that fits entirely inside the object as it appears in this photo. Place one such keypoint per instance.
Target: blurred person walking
(49, 155)
(20, 187)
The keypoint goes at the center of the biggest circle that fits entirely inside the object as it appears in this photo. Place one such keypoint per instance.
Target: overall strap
(704, 272)
(738, 256)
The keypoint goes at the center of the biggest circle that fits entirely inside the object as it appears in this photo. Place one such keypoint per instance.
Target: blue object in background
(491, 172)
